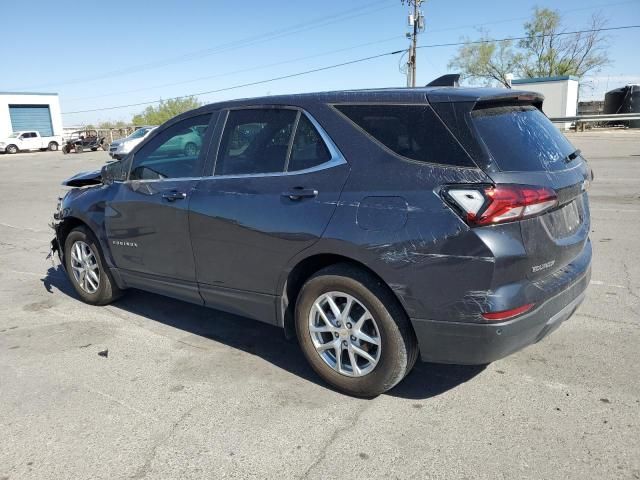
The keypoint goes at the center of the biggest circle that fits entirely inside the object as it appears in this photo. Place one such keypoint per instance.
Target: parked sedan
(377, 227)
(120, 148)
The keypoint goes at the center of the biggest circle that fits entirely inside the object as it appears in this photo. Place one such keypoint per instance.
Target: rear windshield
(413, 131)
(521, 138)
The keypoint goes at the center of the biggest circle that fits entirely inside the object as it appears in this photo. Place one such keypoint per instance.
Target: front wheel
(11, 149)
(86, 268)
(353, 331)
(79, 148)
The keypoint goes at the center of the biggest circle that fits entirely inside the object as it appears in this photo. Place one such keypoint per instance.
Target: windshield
(141, 132)
(522, 138)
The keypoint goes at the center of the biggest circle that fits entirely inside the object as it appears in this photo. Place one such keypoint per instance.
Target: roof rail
(449, 80)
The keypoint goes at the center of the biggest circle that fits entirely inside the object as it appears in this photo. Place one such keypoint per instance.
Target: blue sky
(141, 51)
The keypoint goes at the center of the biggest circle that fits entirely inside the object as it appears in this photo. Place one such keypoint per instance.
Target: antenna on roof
(449, 80)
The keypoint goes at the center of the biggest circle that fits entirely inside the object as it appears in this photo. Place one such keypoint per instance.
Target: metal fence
(581, 120)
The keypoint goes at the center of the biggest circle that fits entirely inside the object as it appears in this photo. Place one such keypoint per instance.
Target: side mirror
(113, 172)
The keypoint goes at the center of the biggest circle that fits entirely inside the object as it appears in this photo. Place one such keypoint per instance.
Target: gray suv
(377, 226)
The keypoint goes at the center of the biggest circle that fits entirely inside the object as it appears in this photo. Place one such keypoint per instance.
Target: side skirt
(257, 306)
(181, 290)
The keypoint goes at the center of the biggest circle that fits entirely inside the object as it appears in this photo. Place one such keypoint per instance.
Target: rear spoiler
(518, 98)
(484, 97)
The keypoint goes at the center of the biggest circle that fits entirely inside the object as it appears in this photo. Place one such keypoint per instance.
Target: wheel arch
(302, 271)
(65, 227)
(70, 222)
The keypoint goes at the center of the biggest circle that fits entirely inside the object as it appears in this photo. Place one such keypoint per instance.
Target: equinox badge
(122, 243)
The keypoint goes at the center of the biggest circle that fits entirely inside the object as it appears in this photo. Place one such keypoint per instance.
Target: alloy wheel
(345, 334)
(84, 265)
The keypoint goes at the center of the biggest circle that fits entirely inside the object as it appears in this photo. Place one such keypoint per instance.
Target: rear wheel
(353, 331)
(11, 149)
(79, 148)
(53, 146)
(86, 268)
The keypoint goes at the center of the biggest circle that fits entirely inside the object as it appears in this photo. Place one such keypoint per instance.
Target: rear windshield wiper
(572, 156)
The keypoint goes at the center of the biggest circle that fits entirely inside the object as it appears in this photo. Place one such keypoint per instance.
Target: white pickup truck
(29, 140)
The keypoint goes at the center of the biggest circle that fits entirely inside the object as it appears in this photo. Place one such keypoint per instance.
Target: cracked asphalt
(187, 392)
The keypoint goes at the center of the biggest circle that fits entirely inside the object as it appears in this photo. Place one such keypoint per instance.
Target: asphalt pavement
(187, 392)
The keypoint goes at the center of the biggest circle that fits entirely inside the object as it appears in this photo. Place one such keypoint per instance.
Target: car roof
(420, 95)
(390, 95)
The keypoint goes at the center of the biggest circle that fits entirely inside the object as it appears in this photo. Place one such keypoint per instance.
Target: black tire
(107, 290)
(94, 149)
(53, 146)
(399, 349)
(190, 149)
(11, 149)
(79, 148)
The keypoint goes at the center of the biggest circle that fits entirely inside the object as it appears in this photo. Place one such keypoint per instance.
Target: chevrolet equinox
(377, 226)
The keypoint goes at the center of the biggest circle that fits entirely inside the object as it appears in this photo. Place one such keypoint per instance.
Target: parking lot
(188, 392)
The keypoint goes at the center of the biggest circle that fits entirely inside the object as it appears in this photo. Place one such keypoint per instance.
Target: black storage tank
(623, 100)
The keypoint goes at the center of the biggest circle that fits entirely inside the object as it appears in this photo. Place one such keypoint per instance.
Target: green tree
(111, 124)
(487, 62)
(165, 110)
(548, 50)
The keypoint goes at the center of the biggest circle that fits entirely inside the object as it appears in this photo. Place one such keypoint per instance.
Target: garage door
(31, 117)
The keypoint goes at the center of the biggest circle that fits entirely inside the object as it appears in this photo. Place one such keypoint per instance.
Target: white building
(560, 94)
(30, 111)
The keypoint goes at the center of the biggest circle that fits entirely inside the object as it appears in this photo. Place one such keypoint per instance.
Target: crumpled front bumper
(55, 245)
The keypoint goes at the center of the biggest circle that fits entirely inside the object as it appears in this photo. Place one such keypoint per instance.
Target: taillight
(488, 205)
(507, 314)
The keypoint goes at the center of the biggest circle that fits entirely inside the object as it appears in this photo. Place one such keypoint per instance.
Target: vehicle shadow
(256, 338)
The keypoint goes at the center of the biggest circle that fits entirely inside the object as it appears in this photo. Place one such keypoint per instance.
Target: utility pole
(416, 22)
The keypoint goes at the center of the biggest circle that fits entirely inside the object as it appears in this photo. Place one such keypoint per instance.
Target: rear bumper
(482, 343)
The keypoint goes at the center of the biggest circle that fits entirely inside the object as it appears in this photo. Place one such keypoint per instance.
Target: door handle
(174, 195)
(299, 193)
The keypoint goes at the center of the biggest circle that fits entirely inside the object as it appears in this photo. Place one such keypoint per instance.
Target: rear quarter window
(412, 131)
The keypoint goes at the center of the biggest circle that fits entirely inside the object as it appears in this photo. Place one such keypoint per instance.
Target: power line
(625, 27)
(351, 62)
(244, 70)
(219, 75)
(236, 44)
(507, 20)
(283, 77)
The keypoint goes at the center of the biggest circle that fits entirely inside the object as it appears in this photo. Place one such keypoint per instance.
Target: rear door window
(255, 140)
(522, 139)
(412, 131)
